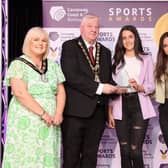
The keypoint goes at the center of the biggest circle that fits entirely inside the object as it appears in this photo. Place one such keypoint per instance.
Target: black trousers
(131, 132)
(163, 119)
(81, 137)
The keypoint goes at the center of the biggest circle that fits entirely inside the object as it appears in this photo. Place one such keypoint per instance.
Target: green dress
(29, 142)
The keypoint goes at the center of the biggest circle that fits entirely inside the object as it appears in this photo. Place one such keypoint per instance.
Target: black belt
(130, 94)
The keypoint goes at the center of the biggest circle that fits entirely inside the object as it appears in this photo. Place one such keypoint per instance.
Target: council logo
(57, 13)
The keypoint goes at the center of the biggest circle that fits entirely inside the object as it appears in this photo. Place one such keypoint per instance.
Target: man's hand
(108, 88)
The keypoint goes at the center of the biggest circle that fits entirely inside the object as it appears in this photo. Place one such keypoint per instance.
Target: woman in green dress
(33, 137)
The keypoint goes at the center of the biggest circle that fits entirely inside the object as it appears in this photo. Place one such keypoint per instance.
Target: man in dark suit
(87, 88)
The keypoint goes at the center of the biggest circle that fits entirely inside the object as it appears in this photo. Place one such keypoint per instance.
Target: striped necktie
(91, 55)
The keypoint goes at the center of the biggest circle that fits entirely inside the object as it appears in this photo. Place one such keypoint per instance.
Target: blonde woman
(35, 111)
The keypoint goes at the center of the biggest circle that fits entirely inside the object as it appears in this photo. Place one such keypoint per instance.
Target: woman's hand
(136, 86)
(111, 122)
(47, 119)
(60, 99)
(57, 119)
(121, 90)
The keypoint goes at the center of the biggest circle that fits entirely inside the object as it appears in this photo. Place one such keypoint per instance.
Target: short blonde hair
(29, 35)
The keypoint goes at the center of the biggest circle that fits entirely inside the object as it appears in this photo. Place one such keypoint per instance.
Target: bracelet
(41, 115)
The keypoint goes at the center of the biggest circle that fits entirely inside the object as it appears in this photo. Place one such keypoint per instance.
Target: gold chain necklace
(43, 70)
(95, 68)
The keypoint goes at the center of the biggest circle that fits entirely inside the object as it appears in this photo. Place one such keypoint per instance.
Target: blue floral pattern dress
(29, 142)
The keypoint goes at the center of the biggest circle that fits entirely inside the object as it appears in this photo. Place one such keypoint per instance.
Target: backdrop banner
(61, 19)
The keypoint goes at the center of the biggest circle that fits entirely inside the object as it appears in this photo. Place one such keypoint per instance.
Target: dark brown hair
(120, 50)
(162, 59)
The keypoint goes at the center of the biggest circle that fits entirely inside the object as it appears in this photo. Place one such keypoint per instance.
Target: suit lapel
(83, 51)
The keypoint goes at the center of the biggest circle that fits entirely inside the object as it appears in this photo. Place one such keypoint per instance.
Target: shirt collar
(88, 45)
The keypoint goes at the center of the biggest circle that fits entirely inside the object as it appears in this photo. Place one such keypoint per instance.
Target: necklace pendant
(97, 79)
(44, 78)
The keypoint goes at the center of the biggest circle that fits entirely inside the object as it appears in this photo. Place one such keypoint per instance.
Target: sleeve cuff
(99, 89)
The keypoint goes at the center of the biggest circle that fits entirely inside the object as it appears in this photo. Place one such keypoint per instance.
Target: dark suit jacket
(80, 85)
